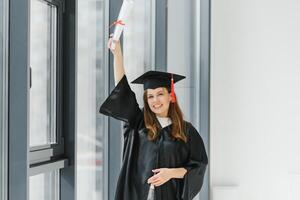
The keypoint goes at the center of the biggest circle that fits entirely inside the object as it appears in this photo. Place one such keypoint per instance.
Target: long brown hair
(174, 113)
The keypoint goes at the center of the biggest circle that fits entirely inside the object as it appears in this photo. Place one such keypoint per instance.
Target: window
(45, 72)
(45, 100)
(91, 90)
(43, 68)
(3, 97)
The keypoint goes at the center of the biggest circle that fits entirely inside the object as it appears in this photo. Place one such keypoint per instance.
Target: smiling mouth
(157, 106)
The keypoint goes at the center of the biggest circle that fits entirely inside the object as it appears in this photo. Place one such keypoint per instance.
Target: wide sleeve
(196, 165)
(121, 103)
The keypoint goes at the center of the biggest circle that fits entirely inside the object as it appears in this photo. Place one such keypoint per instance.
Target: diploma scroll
(151, 193)
(122, 20)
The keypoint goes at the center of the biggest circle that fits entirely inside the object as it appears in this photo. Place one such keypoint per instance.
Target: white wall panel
(255, 106)
(225, 193)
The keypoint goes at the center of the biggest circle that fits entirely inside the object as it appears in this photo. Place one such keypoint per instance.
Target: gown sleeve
(121, 104)
(196, 165)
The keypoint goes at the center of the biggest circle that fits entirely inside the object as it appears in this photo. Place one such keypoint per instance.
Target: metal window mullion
(18, 104)
(40, 156)
(69, 45)
(53, 66)
(48, 181)
(59, 80)
(161, 28)
(106, 122)
(48, 146)
(46, 154)
(57, 186)
(40, 168)
(4, 96)
(205, 83)
(152, 33)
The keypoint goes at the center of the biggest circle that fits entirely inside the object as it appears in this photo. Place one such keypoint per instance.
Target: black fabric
(121, 103)
(141, 156)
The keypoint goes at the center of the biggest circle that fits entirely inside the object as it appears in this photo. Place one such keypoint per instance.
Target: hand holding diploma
(122, 20)
(116, 51)
(118, 59)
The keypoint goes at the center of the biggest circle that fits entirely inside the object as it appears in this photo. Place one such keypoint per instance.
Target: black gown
(141, 156)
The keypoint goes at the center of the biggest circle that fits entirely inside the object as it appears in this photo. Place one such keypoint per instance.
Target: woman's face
(159, 100)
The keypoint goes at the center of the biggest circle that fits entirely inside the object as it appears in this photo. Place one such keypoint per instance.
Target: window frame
(52, 60)
(47, 158)
(43, 153)
(50, 158)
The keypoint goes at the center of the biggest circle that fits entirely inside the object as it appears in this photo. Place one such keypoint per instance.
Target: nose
(155, 99)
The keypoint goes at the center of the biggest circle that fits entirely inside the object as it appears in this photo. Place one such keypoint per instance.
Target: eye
(160, 94)
(150, 97)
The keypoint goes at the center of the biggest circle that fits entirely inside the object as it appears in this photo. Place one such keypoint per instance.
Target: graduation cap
(155, 79)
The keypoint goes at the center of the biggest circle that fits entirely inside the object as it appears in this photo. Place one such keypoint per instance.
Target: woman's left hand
(161, 176)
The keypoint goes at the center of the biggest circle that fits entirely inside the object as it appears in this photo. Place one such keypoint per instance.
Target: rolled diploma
(123, 16)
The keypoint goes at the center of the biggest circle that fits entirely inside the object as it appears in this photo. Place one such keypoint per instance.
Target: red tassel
(117, 22)
(173, 97)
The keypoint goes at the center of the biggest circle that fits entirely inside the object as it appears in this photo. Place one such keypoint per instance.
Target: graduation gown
(141, 156)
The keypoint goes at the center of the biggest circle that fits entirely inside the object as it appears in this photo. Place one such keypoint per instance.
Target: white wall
(255, 98)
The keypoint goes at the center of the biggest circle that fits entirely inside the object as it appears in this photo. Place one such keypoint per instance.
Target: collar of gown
(164, 121)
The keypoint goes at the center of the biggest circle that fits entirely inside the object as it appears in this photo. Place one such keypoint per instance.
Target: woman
(161, 150)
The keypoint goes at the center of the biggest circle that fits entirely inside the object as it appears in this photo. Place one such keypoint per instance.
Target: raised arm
(119, 70)
(121, 103)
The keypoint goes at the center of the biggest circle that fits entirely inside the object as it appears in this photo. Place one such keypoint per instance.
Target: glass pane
(44, 186)
(43, 32)
(91, 90)
(179, 46)
(139, 43)
(3, 97)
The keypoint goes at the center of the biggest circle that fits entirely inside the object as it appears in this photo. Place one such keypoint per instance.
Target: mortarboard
(155, 79)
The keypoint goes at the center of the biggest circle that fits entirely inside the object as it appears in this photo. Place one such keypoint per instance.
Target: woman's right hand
(119, 70)
(117, 50)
